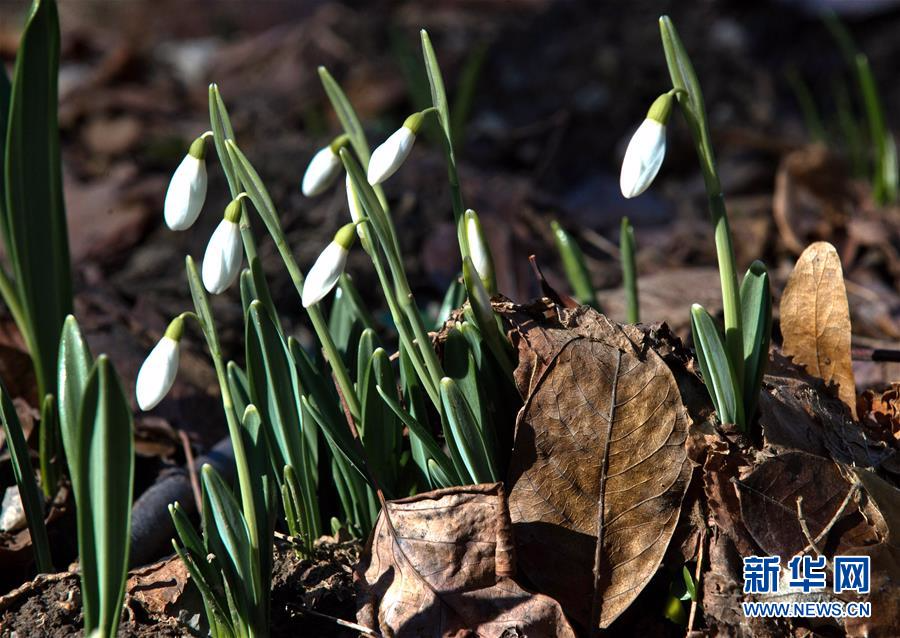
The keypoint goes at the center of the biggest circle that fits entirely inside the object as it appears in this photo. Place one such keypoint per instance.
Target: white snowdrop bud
(323, 168)
(480, 252)
(646, 150)
(187, 188)
(330, 264)
(388, 157)
(157, 373)
(222, 260)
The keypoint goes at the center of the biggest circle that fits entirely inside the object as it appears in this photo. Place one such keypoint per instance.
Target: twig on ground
(697, 573)
(338, 621)
(191, 468)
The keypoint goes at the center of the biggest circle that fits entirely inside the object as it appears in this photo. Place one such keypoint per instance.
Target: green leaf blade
(34, 208)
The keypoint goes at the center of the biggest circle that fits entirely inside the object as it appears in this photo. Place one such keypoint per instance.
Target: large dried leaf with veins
(815, 319)
(599, 453)
(442, 565)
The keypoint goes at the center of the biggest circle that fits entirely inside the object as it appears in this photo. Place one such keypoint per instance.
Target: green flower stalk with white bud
(480, 252)
(187, 188)
(222, 260)
(389, 157)
(329, 266)
(324, 168)
(647, 148)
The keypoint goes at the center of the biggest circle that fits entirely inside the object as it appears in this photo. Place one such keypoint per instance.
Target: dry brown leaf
(815, 319)
(446, 570)
(769, 502)
(885, 563)
(594, 400)
(797, 412)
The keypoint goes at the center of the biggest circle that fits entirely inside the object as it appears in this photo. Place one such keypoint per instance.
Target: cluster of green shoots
(342, 406)
(348, 388)
(85, 423)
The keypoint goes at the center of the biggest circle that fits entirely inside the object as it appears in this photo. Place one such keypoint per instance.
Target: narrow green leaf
(417, 431)
(756, 306)
(346, 114)
(32, 500)
(50, 447)
(5, 97)
(628, 248)
(36, 218)
(683, 76)
(436, 83)
(384, 434)
(231, 527)
(107, 454)
(216, 616)
(339, 437)
(439, 101)
(574, 266)
(349, 317)
(716, 368)
(273, 384)
(453, 299)
(73, 368)
(467, 436)
(885, 170)
(222, 131)
(239, 386)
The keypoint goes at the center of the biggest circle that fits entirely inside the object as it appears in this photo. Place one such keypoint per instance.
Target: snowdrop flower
(479, 251)
(222, 260)
(323, 168)
(187, 189)
(325, 272)
(157, 373)
(388, 157)
(647, 148)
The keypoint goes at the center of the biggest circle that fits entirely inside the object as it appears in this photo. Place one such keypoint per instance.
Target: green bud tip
(175, 329)
(346, 235)
(198, 147)
(233, 210)
(661, 108)
(338, 143)
(414, 122)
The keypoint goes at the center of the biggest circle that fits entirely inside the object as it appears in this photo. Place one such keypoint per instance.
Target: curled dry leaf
(442, 565)
(815, 319)
(769, 503)
(797, 412)
(599, 467)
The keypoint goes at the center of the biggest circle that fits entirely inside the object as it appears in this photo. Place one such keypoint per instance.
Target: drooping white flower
(187, 188)
(157, 373)
(646, 150)
(322, 170)
(325, 272)
(479, 251)
(388, 157)
(222, 260)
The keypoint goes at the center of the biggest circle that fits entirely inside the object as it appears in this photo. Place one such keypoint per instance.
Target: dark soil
(50, 606)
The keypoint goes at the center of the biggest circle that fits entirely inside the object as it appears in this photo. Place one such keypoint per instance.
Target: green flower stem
(731, 300)
(403, 328)
(629, 271)
(690, 99)
(266, 210)
(203, 317)
(332, 354)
